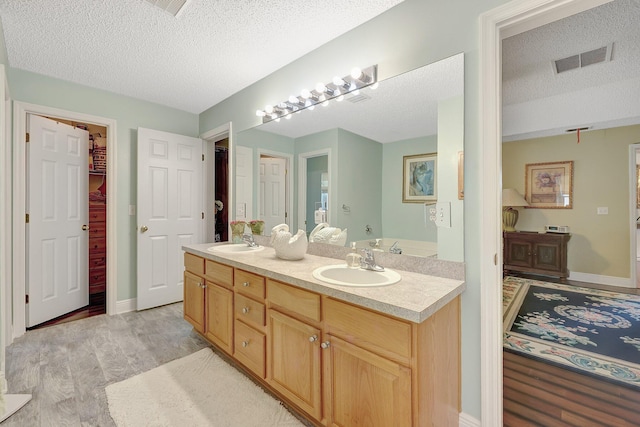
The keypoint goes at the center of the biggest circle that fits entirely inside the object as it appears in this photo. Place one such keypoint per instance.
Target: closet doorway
(94, 183)
(19, 244)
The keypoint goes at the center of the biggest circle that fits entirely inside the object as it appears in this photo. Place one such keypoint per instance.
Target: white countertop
(414, 298)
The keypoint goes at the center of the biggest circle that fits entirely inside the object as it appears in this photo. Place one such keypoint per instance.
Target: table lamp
(511, 199)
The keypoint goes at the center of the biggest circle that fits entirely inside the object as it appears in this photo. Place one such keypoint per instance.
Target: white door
(273, 176)
(244, 185)
(58, 208)
(169, 212)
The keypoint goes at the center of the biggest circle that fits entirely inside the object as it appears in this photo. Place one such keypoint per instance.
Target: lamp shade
(511, 198)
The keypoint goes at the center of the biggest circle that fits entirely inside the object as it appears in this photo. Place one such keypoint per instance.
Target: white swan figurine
(287, 246)
(322, 233)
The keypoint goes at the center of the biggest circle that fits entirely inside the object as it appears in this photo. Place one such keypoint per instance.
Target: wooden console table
(538, 253)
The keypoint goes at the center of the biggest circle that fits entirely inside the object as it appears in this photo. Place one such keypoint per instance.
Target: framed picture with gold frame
(419, 173)
(549, 185)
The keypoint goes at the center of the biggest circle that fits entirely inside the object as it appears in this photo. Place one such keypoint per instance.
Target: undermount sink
(342, 275)
(235, 248)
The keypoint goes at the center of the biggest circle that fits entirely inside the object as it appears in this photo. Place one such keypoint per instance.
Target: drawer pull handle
(245, 284)
(245, 310)
(325, 344)
(245, 343)
(313, 338)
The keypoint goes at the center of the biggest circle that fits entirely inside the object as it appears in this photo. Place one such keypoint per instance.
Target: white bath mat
(198, 390)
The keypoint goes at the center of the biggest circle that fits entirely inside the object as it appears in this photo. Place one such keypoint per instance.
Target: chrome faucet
(368, 262)
(394, 249)
(248, 239)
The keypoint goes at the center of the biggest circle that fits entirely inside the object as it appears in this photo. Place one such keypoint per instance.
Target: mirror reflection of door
(273, 182)
(221, 190)
(317, 191)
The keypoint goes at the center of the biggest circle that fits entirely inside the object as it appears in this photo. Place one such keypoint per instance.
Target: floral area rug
(588, 330)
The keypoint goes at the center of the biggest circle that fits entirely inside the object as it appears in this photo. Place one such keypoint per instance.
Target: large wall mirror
(345, 164)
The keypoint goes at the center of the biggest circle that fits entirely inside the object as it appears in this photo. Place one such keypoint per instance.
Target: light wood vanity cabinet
(293, 349)
(341, 364)
(249, 321)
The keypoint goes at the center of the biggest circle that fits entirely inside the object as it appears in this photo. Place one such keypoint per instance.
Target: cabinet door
(366, 389)
(546, 256)
(220, 316)
(193, 305)
(518, 253)
(293, 359)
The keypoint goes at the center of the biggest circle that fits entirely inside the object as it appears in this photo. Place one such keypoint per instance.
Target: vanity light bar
(321, 94)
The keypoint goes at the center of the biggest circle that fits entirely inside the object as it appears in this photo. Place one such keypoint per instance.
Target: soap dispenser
(353, 257)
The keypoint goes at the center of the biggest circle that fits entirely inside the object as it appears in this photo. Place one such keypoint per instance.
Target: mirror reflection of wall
(418, 112)
(317, 168)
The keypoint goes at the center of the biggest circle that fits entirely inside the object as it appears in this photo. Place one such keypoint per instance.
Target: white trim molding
(20, 111)
(512, 18)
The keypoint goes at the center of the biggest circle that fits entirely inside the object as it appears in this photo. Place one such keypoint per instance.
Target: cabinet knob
(313, 338)
(245, 284)
(245, 343)
(325, 344)
(245, 310)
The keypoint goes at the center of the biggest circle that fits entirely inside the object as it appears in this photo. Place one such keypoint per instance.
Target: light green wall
(410, 35)
(404, 220)
(450, 143)
(316, 166)
(359, 177)
(129, 114)
(599, 243)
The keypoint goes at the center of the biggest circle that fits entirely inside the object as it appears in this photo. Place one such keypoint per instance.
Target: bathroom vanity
(340, 355)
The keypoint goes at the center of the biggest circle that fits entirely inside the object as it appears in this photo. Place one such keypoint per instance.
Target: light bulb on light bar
(322, 93)
(287, 117)
(374, 86)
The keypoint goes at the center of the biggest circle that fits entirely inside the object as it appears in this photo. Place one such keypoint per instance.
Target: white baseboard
(126, 306)
(467, 420)
(623, 282)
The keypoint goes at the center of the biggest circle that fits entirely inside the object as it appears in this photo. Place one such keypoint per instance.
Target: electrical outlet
(443, 214)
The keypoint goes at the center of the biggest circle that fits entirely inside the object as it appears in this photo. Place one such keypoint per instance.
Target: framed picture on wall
(549, 185)
(419, 178)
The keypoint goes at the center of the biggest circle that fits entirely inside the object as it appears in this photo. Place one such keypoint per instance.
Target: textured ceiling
(528, 77)
(213, 49)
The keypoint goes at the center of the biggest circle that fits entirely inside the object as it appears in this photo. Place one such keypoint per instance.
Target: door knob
(144, 228)
(85, 227)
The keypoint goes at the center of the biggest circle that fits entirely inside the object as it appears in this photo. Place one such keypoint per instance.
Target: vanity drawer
(194, 264)
(294, 299)
(381, 334)
(249, 284)
(219, 273)
(249, 311)
(250, 348)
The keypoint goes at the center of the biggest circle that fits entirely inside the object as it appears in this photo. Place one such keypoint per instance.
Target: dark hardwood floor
(97, 305)
(541, 394)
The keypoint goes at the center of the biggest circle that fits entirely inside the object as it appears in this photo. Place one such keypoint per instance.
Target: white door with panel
(170, 209)
(244, 185)
(58, 222)
(273, 176)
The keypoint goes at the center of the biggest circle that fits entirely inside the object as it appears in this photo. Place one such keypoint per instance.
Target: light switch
(443, 214)
(241, 209)
(603, 211)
